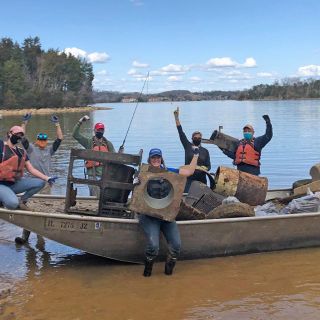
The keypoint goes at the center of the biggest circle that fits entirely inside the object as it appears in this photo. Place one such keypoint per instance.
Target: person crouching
(13, 161)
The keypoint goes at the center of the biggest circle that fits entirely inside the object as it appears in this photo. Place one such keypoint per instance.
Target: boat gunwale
(135, 221)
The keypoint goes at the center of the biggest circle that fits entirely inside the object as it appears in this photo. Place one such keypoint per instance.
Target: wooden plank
(98, 156)
(313, 186)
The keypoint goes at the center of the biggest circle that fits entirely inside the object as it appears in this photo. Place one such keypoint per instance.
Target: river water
(45, 280)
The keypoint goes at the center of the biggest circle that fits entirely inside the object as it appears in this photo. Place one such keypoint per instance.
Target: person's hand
(176, 113)
(54, 119)
(266, 118)
(26, 117)
(52, 180)
(136, 181)
(195, 151)
(84, 118)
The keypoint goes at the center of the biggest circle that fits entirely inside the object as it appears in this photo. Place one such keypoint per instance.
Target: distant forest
(32, 77)
(285, 90)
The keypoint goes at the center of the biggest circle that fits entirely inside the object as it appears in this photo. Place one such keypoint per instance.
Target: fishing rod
(134, 112)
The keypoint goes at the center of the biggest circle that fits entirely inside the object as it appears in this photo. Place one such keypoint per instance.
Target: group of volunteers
(36, 159)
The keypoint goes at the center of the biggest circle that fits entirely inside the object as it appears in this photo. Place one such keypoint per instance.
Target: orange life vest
(247, 154)
(11, 165)
(97, 146)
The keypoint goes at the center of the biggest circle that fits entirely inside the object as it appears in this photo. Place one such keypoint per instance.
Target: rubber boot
(169, 266)
(148, 265)
(24, 238)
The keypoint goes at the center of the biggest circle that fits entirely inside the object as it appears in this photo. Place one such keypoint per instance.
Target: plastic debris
(309, 203)
(229, 200)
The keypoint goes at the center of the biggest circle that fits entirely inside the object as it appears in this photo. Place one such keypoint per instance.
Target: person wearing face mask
(204, 156)
(39, 152)
(248, 153)
(13, 161)
(97, 143)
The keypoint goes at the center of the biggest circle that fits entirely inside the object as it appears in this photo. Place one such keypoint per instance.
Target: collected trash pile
(239, 194)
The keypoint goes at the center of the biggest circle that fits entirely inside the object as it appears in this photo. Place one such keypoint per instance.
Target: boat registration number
(72, 225)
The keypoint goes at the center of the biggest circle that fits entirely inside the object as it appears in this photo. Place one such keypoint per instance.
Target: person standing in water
(152, 226)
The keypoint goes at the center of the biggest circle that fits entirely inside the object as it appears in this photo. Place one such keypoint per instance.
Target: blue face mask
(247, 135)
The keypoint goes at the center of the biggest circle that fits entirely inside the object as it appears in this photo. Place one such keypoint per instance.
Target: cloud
(76, 52)
(170, 69)
(102, 72)
(249, 63)
(227, 62)
(94, 57)
(137, 64)
(221, 62)
(309, 71)
(265, 75)
(132, 72)
(235, 75)
(174, 79)
(98, 57)
(195, 79)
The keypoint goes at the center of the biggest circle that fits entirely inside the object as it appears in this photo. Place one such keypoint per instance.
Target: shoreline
(12, 112)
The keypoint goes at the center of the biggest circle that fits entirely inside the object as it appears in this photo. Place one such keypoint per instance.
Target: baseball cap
(155, 152)
(249, 126)
(99, 126)
(16, 129)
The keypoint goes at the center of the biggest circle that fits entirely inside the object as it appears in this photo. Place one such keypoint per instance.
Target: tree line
(286, 89)
(33, 77)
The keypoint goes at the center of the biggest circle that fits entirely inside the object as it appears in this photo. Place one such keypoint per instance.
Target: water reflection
(283, 285)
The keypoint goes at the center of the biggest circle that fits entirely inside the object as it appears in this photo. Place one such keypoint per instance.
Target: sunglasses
(42, 136)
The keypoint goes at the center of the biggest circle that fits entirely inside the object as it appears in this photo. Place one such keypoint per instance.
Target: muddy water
(45, 280)
(51, 281)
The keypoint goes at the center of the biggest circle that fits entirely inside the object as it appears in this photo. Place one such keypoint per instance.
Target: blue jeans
(29, 186)
(152, 227)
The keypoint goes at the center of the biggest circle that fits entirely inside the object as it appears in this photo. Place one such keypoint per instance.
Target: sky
(184, 45)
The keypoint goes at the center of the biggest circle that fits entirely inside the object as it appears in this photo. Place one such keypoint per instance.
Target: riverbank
(14, 112)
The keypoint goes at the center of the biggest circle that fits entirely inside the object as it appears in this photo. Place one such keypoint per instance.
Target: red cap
(99, 126)
(16, 129)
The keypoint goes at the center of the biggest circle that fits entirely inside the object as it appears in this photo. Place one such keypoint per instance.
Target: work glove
(26, 117)
(195, 151)
(54, 119)
(266, 118)
(176, 113)
(84, 118)
(52, 180)
(136, 181)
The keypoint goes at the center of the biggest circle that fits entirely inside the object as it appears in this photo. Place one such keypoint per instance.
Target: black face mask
(15, 139)
(196, 142)
(99, 135)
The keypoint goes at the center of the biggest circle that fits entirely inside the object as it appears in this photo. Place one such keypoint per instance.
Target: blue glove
(52, 180)
(54, 119)
(26, 117)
